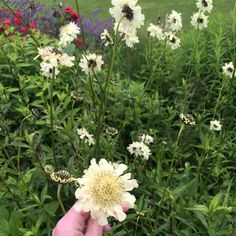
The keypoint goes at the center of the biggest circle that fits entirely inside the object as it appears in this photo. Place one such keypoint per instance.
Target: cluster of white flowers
(103, 190)
(141, 148)
(91, 63)
(146, 138)
(228, 69)
(215, 125)
(68, 33)
(52, 58)
(128, 18)
(168, 33)
(199, 20)
(85, 136)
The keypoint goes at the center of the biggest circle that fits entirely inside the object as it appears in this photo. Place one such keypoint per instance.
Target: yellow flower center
(107, 189)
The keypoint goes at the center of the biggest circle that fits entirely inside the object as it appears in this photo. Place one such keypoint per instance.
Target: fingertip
(93, 228)
(107, 228)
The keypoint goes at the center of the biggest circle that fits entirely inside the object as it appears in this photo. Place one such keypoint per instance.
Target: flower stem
(102, 106)
(80, 22)
(172, 168)
(51, 116)
(219, 96)
(59, 198)
(19, 148)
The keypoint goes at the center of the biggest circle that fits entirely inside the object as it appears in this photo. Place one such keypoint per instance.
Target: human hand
(78, 224)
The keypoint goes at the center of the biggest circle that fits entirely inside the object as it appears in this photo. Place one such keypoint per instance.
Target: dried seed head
(61, 177)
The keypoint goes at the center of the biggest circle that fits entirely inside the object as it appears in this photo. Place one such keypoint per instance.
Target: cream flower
(91, 62)
(172, 40)
(205, 5)
(130, 39)
(47, 68)
(215, 125)
(68, 33)
(139, 149)
(145, 138)
(103, 190)
(106, 38)
(199, 20)
(174, 21)
(53, 58)
(228, 69)
(85, 136)
(127, 14)
(155, 31)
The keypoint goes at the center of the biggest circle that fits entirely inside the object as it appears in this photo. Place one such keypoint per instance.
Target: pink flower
(17, 21)
(32, 25)
(23, 29)
(7, 22)
(17, 13)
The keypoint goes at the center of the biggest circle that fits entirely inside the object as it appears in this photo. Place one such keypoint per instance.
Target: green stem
(219, 96)
(80, 22)
(59, 198)
(19, 148)
(102, 106)
(172, 168)
(51, 116)
(154, 69)
(10, 192)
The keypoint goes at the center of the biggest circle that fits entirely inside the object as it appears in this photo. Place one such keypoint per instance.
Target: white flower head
(228, 69)
(174, 21)
(130, 39)
(66, 60)
(215, 125)
(127, 15)
(68, 33)
(49, 68)
(145, 138)
(172, 40)
(205, 5)
(155, 31)
(103, 190)
(91, 62)
(139, 149)
(199, 20)
(106, 38)
(85, 136)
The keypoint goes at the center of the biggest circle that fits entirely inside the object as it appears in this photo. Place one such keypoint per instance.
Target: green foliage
(185, 188)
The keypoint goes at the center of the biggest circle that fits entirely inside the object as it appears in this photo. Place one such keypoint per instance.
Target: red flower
(32, 25)
(79, 42)
(16, 21)
(1, 27)
(23, 29)
(74, 15)
(18, 14)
